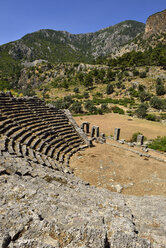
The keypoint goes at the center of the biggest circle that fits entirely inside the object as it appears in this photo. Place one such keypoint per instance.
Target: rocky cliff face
(156, 24)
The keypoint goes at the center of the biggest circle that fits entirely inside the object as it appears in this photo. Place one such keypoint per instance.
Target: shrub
(142, 74)
(141, 111)
(109, 89)
(160, 89)
(135, 73)
(141, 87)
(151, 117)
(100, 111)
(134, 136)
(76, 90)
(157, 103)
(118, 110)
(76, 107)
(4, 84)
(158, 81)
(86, 95)
(104, 107)
(158, 144)
(144, 96)
(98, 94)
(89, 105)
(129, 112)
(88, 80)
(119, 84)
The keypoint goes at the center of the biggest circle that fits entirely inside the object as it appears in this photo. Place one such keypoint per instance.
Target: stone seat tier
(18, 133)
(12, 130)
(44, 146)
(25, 122)
(75, 139)
(68, 149)
(45, 127)
(17, 115)
(65, 147)
(72, 135)
(73, 151)
(11, 111)
(29, 121)
(6, 128)
(53, 152)
(5, 122)
(14, 107)
(2, 118)
(53, 149)
(4, 101)
(43, 107)
(53, 117)
(26, 135)
(47, 116)
(36, 143)
(24, 118)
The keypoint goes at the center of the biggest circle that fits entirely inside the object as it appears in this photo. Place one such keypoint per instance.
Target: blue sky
(19, 17)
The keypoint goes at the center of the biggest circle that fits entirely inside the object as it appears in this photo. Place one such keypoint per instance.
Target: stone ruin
(94, 134)
(41, 205)
(44, 134)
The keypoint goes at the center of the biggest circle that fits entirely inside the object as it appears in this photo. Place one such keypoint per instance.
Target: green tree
(157, 103)
(76, 107)
(142, 110)
(109, 89)
(160, 89)
(89, 105)
(88, 80)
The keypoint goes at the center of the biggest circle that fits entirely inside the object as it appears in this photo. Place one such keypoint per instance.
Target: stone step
(73, 151)
(69, 147)
(45, 146)
(53, 149)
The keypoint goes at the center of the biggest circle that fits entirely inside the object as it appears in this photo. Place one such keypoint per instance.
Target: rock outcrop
(156, 24)
(41, 207)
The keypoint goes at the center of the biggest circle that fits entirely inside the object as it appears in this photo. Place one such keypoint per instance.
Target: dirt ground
(127, 124)
(117, 169)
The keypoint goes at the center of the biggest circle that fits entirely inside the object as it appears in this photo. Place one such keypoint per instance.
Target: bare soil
(117, 169)
(127, 124)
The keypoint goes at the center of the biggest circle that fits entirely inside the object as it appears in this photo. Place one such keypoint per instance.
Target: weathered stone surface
(156, 24)
(40, 207)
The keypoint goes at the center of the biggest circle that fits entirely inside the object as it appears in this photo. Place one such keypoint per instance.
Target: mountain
(154, 34)
(61, 46)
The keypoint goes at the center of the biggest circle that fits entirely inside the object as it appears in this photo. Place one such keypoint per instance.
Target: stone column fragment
(116, 134)
(140, 139)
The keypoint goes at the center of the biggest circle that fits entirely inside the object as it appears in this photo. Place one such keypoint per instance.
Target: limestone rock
(156, 24)
(41, 207)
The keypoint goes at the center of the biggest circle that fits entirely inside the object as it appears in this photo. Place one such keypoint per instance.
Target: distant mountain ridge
(61, 46)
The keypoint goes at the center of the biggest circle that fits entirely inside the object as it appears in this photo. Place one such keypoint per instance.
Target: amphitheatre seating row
(40, 133)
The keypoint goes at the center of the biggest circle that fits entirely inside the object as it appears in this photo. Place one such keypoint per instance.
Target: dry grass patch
(127, 124)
